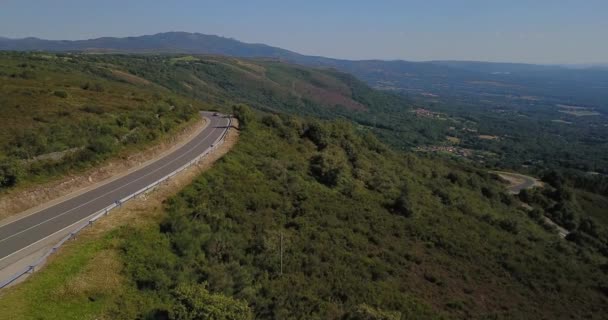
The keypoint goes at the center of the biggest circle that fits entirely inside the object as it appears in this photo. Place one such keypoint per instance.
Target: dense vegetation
(366, 233)
(60, 114)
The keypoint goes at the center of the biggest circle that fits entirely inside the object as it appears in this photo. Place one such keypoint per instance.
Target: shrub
(61, 94)
(366, 312)
(402, 204)
(195, 302)
(10, 173)
(102, 145)
(244, 114)
(329, 167)
(509, 226)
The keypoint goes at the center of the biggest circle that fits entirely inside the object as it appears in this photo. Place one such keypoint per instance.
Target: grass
(80, 282)
(593, 205)
(49, 106)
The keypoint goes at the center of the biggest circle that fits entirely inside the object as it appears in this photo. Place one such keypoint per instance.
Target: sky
(532, 31)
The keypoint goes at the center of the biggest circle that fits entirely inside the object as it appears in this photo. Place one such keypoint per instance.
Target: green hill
(366, 230)
(361, 228)
(60, 114)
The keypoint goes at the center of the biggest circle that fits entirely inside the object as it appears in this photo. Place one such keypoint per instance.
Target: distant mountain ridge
(168, 42)
(436, 77)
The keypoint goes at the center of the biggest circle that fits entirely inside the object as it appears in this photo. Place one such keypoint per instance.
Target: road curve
(20, 234)
(518, 181)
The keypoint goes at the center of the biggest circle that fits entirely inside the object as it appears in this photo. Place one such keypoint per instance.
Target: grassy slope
(60, 114)
(279, 87)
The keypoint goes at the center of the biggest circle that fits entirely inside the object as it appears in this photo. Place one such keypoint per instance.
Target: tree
(329, 167)
(244, 114)
(402, 204)
(195, 302)
(10, 172)
(318, 134)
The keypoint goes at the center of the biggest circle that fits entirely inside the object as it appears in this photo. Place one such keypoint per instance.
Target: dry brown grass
(102, 275)
(129, 77)
(453, 140)
(327, 97)
(487, 137)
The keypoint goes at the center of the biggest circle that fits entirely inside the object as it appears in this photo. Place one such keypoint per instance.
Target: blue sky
(537, 31)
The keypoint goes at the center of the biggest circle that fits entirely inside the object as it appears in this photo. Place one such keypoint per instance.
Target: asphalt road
(20, 234)
(520, 181)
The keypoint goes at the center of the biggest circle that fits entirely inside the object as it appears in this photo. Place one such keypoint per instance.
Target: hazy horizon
(543, 32)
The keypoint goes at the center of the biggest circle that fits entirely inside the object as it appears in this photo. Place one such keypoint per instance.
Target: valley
(357, 189)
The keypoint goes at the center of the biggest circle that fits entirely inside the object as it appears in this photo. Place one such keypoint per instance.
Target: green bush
(194, 302)
(61, 94)
(244, 114)
(10, 172)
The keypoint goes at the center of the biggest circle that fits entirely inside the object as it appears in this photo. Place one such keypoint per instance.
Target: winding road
(21, 234)
(518, 182)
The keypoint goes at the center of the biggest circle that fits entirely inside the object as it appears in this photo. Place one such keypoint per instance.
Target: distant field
(581, 113)
(577, 111)
(561, 121)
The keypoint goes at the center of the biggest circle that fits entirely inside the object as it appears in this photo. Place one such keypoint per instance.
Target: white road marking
(101, 196)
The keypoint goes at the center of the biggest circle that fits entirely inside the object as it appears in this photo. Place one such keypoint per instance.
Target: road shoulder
(144, 208)
(23, 203)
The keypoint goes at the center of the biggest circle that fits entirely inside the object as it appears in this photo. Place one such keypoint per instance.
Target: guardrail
(103, 212)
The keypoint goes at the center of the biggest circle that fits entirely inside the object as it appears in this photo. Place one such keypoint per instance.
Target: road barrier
(103, 212)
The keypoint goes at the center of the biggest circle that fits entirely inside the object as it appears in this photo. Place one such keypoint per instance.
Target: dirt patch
(18, 201)
(453, 140)
(494, 83)
(512, 180)
(577, 111)
(561, 121)
(487, 137)
(327, 97)
(133, 79)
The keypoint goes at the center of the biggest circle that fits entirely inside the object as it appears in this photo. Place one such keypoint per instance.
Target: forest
(308, 219)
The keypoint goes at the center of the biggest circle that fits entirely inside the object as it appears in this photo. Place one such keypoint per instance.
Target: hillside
(369, 231)
(60, 115)
(449, 78)
(366, 233)
(62, 106)
(364, 230)
(521, 104)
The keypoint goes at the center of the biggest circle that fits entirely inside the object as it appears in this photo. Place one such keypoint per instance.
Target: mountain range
(447, 78)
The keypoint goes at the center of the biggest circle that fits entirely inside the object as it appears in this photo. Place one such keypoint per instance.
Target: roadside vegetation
(367, 233)
(61, 116)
